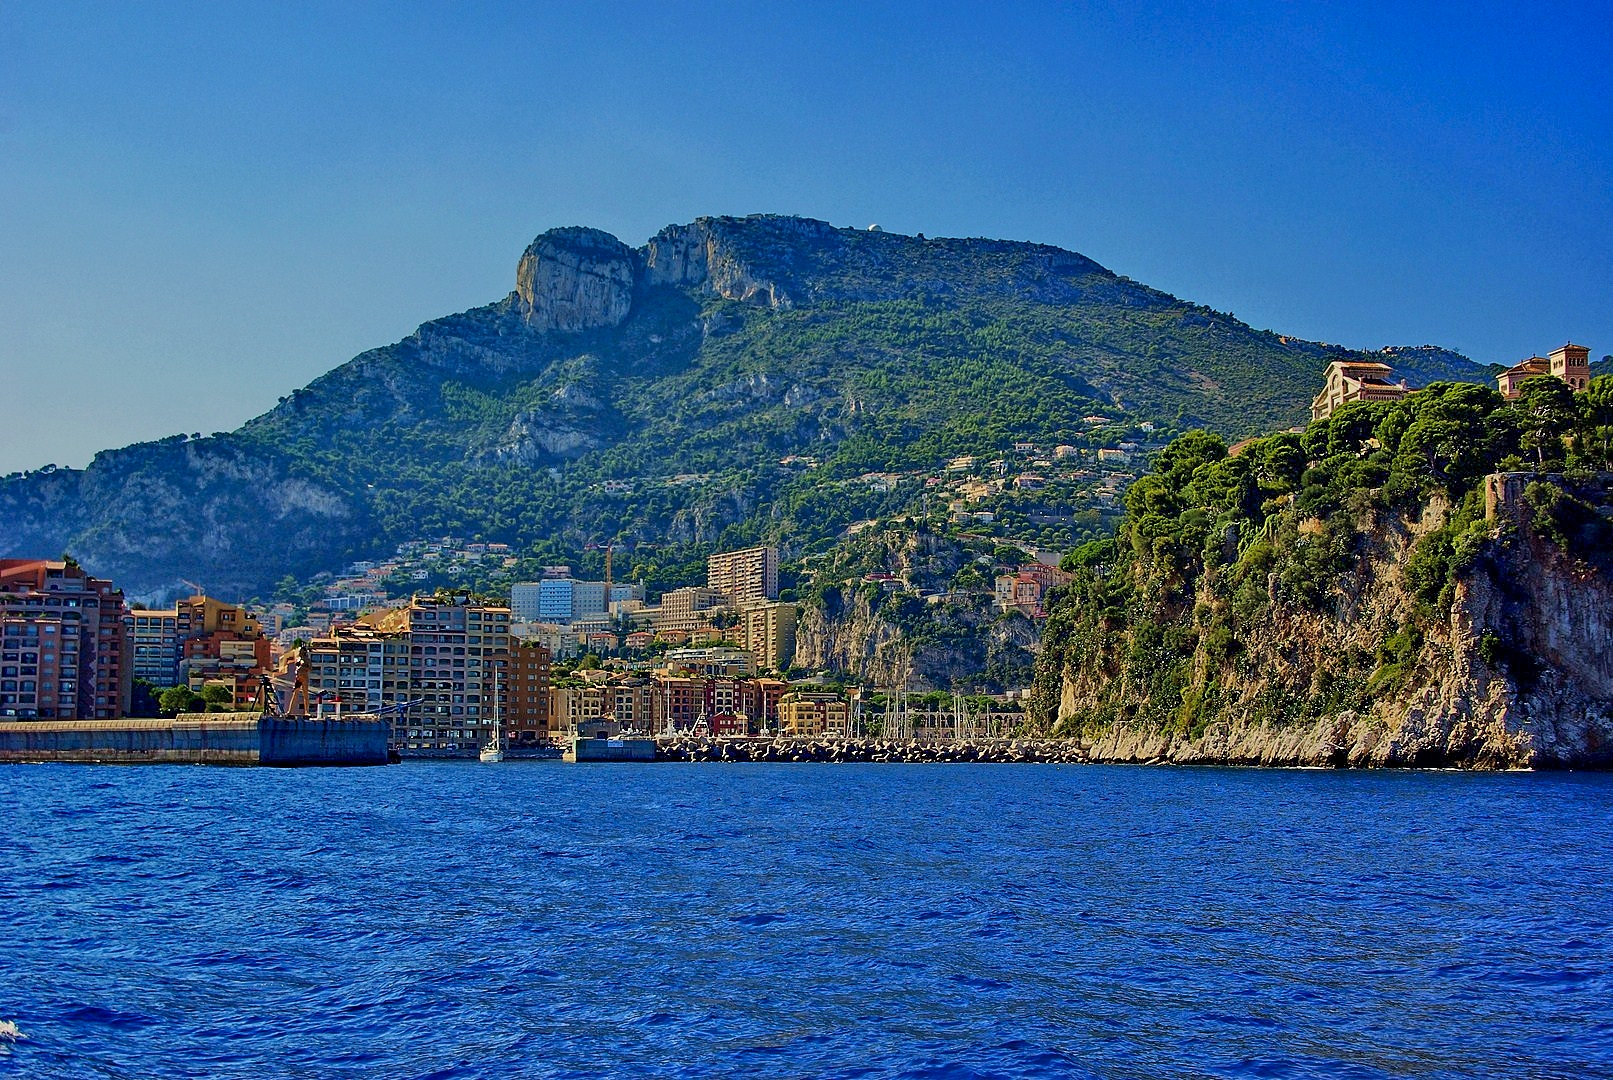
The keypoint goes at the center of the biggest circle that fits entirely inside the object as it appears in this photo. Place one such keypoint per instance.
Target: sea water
(550, 920)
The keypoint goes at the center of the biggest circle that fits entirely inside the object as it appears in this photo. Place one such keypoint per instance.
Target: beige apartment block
(687, 609)
(768, 633)
(744, 576)
(813, 715)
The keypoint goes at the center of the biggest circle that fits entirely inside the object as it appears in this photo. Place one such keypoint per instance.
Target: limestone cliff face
(575, 279)
(708, 253)
(958, 644)
(204, 509)
(1519, 676)
(846, 635)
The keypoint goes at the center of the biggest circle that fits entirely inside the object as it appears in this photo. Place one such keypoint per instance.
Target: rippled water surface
(542, 919)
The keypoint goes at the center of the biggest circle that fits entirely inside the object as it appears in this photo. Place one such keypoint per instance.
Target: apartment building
(235, 661)
(767, 632)
(65, 651)
(166, 650)
(222, 644)
(717, 661)
(760, 701)
(577, 710)
(526, 694)
(560, 600)
(456, 655)
(744, 576)
(607, 708)
(677, 703)
(441, 661)
(814, 715)
(155, 637)
(686, 610)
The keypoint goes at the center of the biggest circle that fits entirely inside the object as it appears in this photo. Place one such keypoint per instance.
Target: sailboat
(493, 751)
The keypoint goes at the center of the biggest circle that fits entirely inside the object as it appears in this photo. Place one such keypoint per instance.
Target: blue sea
(538, 919)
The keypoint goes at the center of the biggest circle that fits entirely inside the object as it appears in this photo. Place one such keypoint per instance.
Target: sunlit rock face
(575, 279)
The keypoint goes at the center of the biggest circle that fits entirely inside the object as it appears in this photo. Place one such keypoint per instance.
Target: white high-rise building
(558, 600)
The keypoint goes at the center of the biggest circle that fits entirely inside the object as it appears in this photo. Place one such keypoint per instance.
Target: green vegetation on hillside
(887, 353)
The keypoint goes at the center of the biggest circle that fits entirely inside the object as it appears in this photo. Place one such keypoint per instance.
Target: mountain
(655, 395)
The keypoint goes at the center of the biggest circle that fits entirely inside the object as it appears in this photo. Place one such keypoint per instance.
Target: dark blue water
(547, 920)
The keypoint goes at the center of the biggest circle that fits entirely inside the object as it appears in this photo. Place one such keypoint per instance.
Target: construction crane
(278, 694)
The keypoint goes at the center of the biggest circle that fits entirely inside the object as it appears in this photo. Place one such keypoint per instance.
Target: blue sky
(205, 206)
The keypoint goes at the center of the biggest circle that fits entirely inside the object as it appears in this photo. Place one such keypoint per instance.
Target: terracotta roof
(1534, 363)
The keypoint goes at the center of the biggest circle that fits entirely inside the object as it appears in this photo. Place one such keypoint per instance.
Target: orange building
(760, 700)
(221, 644)
(526, 694)
(64, 648)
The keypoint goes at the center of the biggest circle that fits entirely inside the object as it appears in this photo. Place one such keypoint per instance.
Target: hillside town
(450, 670)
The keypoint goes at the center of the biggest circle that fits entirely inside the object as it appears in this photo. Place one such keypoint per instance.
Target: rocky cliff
(575, 279)
(1516, 673)
(898, 640)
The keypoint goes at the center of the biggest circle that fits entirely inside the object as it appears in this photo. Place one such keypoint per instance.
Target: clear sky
(204, 206)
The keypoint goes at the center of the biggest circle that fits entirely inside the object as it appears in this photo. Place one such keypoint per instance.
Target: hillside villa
(1570, 363)
(1369, 380)
(1352, 380)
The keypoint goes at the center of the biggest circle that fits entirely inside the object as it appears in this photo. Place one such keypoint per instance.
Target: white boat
(493, 751)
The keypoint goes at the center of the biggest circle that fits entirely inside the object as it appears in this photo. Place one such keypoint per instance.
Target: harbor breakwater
(1289, 747)
(1045, 751)
(198, 739)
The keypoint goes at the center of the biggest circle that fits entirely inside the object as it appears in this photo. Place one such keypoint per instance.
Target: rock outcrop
(707, 253)
(1520, 676)
(576, 279)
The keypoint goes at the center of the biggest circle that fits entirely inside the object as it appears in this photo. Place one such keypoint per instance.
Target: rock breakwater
(988, 751)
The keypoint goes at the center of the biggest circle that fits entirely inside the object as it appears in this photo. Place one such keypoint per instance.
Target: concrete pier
(198, 739)
(611, 750)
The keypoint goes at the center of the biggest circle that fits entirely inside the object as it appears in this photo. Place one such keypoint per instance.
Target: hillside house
(1348, 380)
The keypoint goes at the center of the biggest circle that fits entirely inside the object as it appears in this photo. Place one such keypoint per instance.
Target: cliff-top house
(1357, 380)
(1570, 363)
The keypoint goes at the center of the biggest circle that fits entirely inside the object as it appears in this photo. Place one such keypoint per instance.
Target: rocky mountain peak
(575, 278)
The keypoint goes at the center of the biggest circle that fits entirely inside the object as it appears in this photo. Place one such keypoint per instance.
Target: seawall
(197, 739)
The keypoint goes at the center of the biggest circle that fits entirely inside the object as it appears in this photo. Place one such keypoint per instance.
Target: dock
(611, 750)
